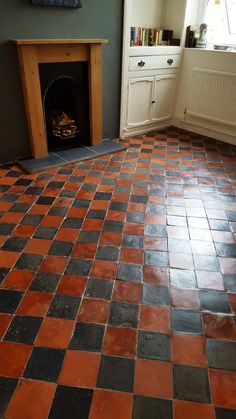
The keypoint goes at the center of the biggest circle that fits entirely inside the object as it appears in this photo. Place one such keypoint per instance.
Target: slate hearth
(71, 155)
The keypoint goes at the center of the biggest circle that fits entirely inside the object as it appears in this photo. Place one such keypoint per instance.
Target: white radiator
(212, 97)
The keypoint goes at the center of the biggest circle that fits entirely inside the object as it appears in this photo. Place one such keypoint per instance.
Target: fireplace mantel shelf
(31, 53)
(58, 41)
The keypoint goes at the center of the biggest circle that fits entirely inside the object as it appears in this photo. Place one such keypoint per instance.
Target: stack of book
(145, 36)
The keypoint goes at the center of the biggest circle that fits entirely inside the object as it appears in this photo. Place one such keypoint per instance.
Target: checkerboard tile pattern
(118, 284)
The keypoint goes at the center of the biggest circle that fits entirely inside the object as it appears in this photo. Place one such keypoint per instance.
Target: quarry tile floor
(118, 284)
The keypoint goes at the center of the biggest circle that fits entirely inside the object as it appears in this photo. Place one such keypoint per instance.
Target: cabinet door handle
(141, 63)
(170, 61)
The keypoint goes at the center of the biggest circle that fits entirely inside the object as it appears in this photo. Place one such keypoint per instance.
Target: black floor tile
(153, 345)
(45, 281)
(116, 374)
(130, 272)
(118, 206)
(96, 214)
(6, 229)
(64, 306)
(14, 244)
(206, 263)
(107, 253)
(71, 403)
(135, 217)
(44, 364)
(7, 388)
(182, 278)
(45, 233)
(60, 248)
(222, 413)
(58, 211)
(79, 267)
(155, 295)
(225, 250)
(3, 274)
(215, 301)
(103, 196)
(186, 321)
(21, 208)
(221, 354)
(32, 219)
(88, 236)
(132, 241)
(115, 226)
(155, 258)
(9, 300)
(150, 408)
(45, 200)
(123, 314)
(81, 203)
(99, 288)
(156, 230)
(191, 384)
(75, 223)
(23, 329)
(87, 337)
(29, 261)
(219, 225)
(230, 282)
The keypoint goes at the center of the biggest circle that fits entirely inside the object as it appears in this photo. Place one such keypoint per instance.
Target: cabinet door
(163, 97)
(140, 91)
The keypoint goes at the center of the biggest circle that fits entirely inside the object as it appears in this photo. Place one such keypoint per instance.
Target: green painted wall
(19, 19)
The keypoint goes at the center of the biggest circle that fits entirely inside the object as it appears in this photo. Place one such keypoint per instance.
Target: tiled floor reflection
(118, 284)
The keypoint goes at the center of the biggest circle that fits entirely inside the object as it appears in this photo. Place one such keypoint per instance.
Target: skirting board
(202, 128)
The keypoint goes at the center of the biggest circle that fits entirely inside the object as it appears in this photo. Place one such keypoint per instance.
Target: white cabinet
(149, 73)
(163, 97)
(150, 100)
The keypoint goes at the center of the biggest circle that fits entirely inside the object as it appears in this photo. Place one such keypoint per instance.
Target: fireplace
(65, 101)
(62, 86)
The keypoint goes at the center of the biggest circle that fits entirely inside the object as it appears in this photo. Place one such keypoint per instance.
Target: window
(220, 15)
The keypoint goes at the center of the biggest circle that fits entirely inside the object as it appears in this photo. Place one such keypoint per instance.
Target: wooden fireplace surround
(31, 53)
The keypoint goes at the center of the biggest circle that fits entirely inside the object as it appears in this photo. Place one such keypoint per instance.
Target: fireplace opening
(65, 101)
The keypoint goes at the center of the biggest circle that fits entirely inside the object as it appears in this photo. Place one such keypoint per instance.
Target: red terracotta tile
(116, 215)
(120, 341)
(155, 243)
(232, 298)
(227, 265)
(67, 235)
(183, 298)
(35, 303)
(54, 264)
(38, 246)
(155, 318)
(51, 221)
(223, 237)
(133, 207)
(5, 320)
(153, 379)
(219, 326)
(77, 212)
(4, 206)
(107, 238)
(72, 285)
(132, 256)
(18, 280)
(24, 231)
(210, 280)
(193, 355)
(13, 358)
(111, 404)
(80, 369)
(127, 291)
(104, 270)
(153, 275)
(32, 399)
(93, 225)
(39, 209)
(84, 250)
(181, 261)
(223, 387)
(99, 205)
(187, 410)
(132, 228)
(55, 333)
(94, 311)
(8, 259)
(12, 217)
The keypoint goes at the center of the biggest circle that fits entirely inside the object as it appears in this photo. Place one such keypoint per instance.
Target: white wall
(205, 59)
(148, 16)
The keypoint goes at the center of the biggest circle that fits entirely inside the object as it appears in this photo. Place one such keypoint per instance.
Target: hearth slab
(72, 155)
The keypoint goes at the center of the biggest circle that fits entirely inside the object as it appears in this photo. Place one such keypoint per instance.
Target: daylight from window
(221, 19)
